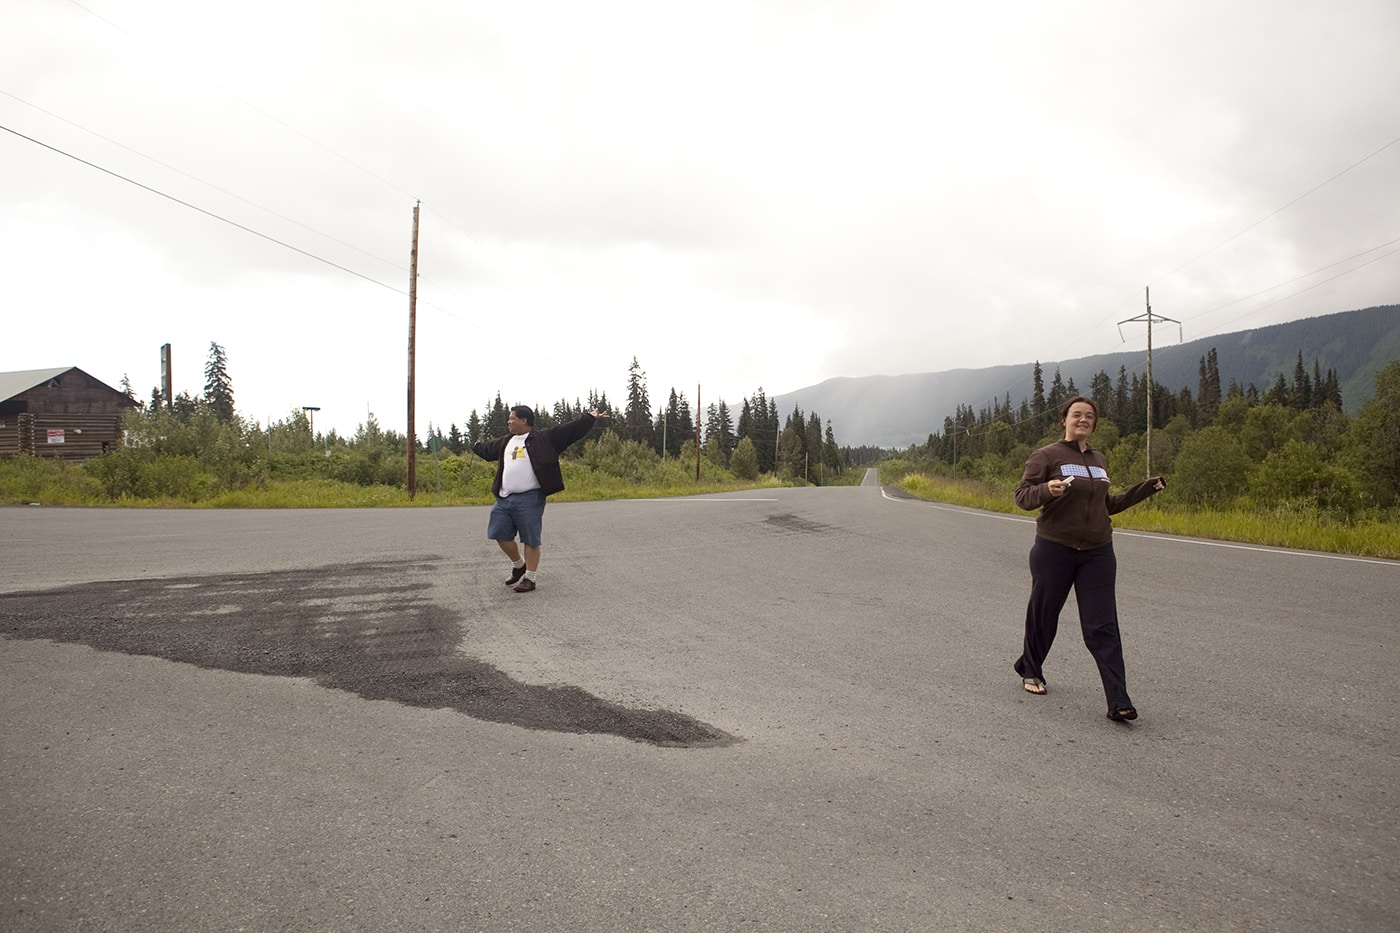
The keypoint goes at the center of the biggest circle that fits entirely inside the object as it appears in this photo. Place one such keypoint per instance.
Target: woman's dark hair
(527, 414)
(1066, 405)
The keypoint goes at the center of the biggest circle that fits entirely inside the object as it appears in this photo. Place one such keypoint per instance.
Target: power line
(1276, 211)
(1236, 236)
(194, 207)
(1323, 282)
(232, 195)
(1280, 210)
(242, 100)
(207, 184)
(1299, 278)
(496, 255)
(499, 258)
(995, 399)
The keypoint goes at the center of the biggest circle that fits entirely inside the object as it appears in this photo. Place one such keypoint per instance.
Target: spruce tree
(719, 429)
(1038, 391)
(1300, 393)
(1277, 394)
(831, 453)
(764, 431)
(675, 426)
(798, 422)
(218, 387)
(496, 416)
(661, 433)
(744, 427)
(1057, 392)
(1332, 389)
(636, 418)
(813, 439)
(1208, 390)
(1101, 391)
(684, 423)
(1121, 399)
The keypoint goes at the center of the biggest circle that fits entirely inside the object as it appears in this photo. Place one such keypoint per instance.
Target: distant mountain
(896, 411)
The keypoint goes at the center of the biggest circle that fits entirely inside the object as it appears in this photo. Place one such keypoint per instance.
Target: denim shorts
(521, 513)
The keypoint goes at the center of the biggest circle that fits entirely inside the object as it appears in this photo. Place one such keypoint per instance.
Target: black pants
(1092, 573)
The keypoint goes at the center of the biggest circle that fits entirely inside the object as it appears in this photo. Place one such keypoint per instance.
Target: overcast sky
(765, 193)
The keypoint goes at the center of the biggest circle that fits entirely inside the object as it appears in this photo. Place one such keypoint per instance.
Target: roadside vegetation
(233, 471)
(1284, 467)
(199, 453)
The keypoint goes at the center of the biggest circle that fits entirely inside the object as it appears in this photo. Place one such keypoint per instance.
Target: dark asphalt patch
(365, 628)
(793, 524)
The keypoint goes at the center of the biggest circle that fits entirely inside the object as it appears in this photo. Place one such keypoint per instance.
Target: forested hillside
(896, 411)
(1287, 453)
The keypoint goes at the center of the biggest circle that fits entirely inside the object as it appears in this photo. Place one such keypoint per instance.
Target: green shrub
(369, 466)
(744, 462)
(302, 464)
(1211, 469)
(624, 459)
(46, 480)
(1297, 477)
(127, 473)
(468, 475)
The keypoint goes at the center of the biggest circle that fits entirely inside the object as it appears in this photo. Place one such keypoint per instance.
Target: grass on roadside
(32, 480)
(1274, 528)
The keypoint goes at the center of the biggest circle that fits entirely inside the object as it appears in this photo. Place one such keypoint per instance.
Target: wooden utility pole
(697, 432)
(1149, 317)
(412, 442)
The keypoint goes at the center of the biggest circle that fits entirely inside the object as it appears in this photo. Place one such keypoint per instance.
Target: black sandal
(1122, 714)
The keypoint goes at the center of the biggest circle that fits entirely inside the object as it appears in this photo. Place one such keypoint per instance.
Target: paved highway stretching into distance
(783, 710)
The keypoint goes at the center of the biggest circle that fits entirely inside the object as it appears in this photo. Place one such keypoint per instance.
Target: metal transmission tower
(1148, 317)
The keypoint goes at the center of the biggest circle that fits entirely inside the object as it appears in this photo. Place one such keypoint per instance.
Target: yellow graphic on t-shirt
(518, 453)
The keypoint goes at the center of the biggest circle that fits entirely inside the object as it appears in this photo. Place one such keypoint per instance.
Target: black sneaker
(515, 574)
(525, 586)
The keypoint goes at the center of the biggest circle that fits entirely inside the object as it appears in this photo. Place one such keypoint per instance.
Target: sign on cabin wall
(55, 435)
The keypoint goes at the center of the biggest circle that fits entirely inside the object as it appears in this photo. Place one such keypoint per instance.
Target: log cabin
(63, 413)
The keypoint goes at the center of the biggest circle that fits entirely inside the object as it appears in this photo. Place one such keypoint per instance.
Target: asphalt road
(788, 711)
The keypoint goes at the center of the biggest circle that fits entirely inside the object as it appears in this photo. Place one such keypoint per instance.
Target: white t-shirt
(518, 475)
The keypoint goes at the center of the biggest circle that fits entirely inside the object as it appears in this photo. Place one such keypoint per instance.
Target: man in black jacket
(527, 471)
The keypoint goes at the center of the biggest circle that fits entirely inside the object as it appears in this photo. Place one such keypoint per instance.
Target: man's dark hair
(525, 413)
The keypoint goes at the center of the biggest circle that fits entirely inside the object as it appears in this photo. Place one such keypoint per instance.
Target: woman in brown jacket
(1068, 482)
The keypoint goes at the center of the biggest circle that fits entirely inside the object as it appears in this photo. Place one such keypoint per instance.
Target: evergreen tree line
(197, 446)
(797, 447)
(1232, 447)
(1287, 446)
